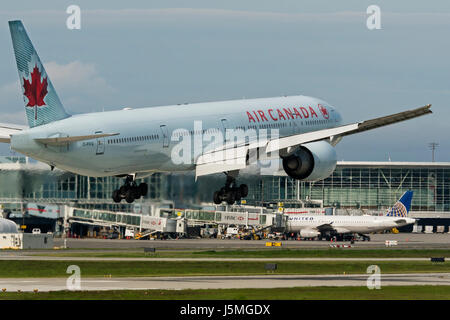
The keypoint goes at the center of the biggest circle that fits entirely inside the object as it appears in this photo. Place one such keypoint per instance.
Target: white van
(232, 231)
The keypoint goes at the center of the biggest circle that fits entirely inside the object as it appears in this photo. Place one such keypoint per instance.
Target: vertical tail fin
(402, 206)
(42, 104)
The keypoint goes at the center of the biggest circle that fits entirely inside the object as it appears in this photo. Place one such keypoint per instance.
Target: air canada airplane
(314, 226)
(208, 138)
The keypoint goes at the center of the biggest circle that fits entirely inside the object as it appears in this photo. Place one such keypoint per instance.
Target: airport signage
(43, 211)
(239, 218)
(153, 223)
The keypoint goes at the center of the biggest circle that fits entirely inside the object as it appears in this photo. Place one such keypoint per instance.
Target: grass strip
(297, 293)
(23, 269)
(264, 253)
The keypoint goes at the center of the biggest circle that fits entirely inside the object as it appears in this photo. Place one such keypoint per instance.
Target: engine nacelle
(311, 161)
(308, 233)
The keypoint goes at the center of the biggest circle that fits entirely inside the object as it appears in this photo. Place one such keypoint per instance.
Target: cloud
(13, 117)
(9, 88)
(77, 76)
(78, 85)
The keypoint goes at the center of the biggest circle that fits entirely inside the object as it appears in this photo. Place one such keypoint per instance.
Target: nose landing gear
(230, 192)
(130, 191)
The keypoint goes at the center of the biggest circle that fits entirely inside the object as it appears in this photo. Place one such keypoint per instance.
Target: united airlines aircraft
(208, 138)
(314, 226)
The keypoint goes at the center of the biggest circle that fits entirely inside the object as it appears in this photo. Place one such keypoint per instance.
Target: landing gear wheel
(231, 192)
(136, 192)
(216, 198)
(129, 196)
(116, 196)
(130, 191)
(243, 188)
(143, 188)
(237, 195)
(230, 197)
(123, 190)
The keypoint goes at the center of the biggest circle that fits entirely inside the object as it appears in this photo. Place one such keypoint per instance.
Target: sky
(152, 53)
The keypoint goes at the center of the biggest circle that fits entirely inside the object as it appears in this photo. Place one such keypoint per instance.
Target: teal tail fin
(42, 104)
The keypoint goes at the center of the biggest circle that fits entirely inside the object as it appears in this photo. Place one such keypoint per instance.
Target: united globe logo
(398, 210)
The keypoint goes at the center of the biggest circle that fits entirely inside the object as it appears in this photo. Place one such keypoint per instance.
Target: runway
(405, 241)
(21, 257)
(223, 282)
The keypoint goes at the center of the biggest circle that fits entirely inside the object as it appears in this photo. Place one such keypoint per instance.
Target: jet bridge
(169, 220)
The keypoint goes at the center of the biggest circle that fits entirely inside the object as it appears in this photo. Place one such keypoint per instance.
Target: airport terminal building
(366, 185)
(32, 194)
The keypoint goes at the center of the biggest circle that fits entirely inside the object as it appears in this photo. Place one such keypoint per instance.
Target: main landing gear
(130, 191)
(231, 192)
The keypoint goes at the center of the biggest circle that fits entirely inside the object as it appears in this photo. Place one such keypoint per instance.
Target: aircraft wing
(6, 130)
(222, 160)
(329, 227)
(325, 227)
(236, 157)
(59, 141)
(342, 230)
(339, 132)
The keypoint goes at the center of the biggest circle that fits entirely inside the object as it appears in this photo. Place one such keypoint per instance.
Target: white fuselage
(146, 137)
(346, 224)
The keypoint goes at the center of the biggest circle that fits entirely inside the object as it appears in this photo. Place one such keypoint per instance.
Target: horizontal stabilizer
(59, 141)
(6, 130)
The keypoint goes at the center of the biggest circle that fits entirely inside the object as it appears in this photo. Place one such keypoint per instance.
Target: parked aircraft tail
(42, 104)
(402, 206)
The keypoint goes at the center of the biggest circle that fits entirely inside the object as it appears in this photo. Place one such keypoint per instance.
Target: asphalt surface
(223, 282)
(22, 257)
(405, 241)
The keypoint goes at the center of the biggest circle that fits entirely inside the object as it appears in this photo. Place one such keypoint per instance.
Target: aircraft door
(165, 135)
(295, 127)
(100, 144)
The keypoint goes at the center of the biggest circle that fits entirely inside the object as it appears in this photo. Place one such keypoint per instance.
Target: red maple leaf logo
(36, 90)
(324, 111)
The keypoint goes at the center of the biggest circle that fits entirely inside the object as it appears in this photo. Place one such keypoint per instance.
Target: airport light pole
(433, 146)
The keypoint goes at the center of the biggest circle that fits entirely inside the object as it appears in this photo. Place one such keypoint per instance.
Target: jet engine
(308, 233)
(311, 161)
